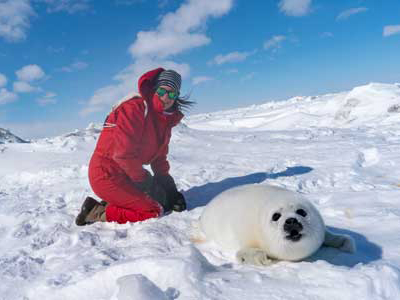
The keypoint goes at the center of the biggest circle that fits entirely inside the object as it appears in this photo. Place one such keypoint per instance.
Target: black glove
(158, 194)
(179, 202)
(153, 189)
(167, 182)
(176, 201)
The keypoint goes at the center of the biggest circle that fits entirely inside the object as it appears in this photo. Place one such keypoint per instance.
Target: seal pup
(262, 223)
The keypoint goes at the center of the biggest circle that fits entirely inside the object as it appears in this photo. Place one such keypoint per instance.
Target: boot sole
(87, 206)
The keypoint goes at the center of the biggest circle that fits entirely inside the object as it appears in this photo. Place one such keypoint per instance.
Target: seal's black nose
(292, 226)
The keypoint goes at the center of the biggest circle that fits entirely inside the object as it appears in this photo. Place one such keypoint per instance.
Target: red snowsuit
(136, 133)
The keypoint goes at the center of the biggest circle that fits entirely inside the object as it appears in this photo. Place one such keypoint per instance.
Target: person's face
(165, 99)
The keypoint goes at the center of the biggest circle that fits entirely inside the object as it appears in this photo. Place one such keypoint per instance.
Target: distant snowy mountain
(7, 137)
(369, 105)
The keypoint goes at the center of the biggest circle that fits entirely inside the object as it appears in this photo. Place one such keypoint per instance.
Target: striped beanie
(169, 78)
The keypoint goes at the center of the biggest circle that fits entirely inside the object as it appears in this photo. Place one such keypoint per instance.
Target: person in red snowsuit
(136, 133)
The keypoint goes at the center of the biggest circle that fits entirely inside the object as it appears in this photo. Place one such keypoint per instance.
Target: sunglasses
(171, 94)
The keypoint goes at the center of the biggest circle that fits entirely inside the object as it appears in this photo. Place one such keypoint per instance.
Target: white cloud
(353, 11)
(231, 57)
(30, 73)
(14, 19)
(47, 99)
(127, 79)
(180, 30)
(274, 43)
(24, 87)
(295, 8)
(326, 34)
(164, 44)
(391, 29)
(200, 79)
(3, 80)
(6, 96)
(69, 6)
(177, 32)
(77, 66)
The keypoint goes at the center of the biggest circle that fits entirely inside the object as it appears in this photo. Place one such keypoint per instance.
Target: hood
(147, 82)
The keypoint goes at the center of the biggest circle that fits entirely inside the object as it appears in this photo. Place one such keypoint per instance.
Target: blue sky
(64, 63)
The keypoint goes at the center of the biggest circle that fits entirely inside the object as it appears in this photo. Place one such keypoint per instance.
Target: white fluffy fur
(240, 219)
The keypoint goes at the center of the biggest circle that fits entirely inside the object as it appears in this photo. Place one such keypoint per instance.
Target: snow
(368, 157)
(340, 150)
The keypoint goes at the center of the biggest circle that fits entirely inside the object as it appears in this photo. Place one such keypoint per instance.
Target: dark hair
(183, 103)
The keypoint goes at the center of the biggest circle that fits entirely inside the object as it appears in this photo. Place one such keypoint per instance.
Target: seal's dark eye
(301, 212)
(276, 216)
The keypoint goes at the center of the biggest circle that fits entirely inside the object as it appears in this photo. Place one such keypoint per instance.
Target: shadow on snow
(201, 195)
(366, 253)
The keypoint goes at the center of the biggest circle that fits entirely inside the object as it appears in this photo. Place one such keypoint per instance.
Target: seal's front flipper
(342, 242)
(196, 235)
(253, 256)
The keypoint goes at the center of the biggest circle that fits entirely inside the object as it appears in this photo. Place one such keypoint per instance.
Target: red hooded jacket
(136, 133)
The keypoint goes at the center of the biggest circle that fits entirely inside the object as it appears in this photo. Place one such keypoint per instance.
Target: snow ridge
(369, 105)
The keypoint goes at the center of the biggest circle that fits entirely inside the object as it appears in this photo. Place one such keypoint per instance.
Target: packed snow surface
(341, 150)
